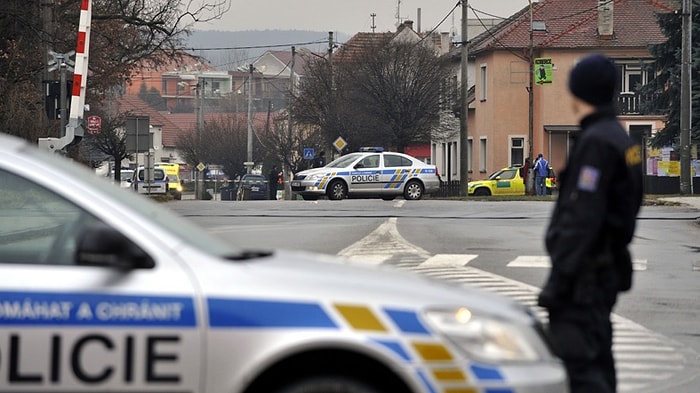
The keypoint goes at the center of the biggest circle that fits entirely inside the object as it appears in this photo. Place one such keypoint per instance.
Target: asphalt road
(497, 245)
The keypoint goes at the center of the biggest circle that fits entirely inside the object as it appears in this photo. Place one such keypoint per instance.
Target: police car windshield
(149, 210)
(344, 161)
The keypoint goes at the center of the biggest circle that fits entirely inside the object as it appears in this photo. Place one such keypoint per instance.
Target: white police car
(371, 172)
(104, 291)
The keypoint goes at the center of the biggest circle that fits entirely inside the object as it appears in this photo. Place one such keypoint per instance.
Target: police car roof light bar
(376, 149)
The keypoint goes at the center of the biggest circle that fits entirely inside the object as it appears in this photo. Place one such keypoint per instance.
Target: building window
(470, 154)
(632, 76)
(483, 82)
(482, 155)
(164, 86)
(517, 150)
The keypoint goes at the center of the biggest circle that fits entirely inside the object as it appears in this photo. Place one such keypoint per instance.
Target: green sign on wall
(543, 70)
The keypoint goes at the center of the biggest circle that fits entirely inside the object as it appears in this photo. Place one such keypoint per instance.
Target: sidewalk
(690, 201)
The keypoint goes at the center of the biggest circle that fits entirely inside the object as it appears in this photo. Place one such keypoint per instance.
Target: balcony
(629, 103)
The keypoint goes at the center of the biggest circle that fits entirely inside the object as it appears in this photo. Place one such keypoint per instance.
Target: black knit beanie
(593, 80)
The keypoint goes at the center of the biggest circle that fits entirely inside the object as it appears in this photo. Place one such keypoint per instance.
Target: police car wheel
(413, 190)
(330, 384)
(337, 190)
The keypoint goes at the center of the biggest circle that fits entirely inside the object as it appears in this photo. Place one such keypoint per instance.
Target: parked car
(250, 186)
(104, 291)
(507, 181)
(371, 172)
(125, 176)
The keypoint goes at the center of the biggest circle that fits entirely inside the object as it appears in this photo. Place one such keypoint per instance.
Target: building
(504, 128)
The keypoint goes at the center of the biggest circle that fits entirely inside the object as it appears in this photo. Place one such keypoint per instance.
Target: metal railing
(629, 103)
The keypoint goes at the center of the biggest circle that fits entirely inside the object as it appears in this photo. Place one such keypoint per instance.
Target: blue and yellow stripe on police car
(398, 331)
(397, 179)
(323, 182)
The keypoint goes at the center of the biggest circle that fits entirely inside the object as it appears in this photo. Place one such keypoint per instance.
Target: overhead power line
(257, 46)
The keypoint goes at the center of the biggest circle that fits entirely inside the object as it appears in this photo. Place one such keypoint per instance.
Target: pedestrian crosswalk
(643, 357)
(645, 360)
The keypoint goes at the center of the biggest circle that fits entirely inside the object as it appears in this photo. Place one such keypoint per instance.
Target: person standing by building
(525, 174)
(541, 170)
(592, 224)
(320, 160)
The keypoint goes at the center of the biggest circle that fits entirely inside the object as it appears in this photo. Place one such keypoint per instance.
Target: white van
(158, 186)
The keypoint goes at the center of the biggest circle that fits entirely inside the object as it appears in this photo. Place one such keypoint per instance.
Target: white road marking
(537, 261)
(449, 260)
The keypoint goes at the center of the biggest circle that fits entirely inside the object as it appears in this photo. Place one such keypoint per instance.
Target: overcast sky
(351, 16)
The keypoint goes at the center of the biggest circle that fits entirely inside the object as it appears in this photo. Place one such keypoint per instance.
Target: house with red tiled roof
(515, 117)
(275, 71)
(166, 128)
(164, 132)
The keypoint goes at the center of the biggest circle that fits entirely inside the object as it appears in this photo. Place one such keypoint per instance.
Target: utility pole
(463, 118)
(249, 162)
(330, 57)
(285, 167)
(686, 110)
(530, 96)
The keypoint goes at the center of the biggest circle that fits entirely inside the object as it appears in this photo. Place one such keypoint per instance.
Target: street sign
(340, 144)
(94, 124)
(308, 153)
(201, 167)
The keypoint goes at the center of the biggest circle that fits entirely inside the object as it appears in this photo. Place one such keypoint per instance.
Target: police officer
(591, 227)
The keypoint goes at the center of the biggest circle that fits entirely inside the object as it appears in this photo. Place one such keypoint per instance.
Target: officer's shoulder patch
(588, 178)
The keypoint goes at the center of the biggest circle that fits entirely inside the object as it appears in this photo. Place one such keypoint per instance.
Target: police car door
(365, 177)
(76, 328)
(395, 173)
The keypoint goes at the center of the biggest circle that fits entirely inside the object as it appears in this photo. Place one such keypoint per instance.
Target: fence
(449, 189)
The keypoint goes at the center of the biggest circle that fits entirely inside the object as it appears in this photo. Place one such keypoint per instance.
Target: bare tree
(285, 145)
(390, 94)
(111, 140)
(400, 85)
(123, 33)
(223, 142)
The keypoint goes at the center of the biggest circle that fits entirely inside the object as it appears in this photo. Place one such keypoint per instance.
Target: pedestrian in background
(541, 170)
(272, 183)
(525, 174)
(320, 160)
(591, 227)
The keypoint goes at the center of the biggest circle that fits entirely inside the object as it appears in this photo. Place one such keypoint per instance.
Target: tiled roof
(573, 24)
(301, 58)
(137, 107)
(358, 43)
(176, 124)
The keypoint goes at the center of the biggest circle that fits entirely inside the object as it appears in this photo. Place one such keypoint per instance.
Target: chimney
(418, 11)
(409, 24)
(605, 19)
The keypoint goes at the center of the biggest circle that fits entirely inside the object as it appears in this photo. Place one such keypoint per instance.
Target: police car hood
(315, 171)
(308, 277)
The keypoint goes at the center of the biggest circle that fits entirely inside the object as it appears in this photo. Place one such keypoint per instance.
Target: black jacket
(600, 193)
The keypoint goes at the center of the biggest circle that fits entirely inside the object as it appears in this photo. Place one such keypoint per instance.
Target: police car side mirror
(101, 245)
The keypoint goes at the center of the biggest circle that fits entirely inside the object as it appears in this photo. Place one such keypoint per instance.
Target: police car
(371, 172)
(104, 291)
